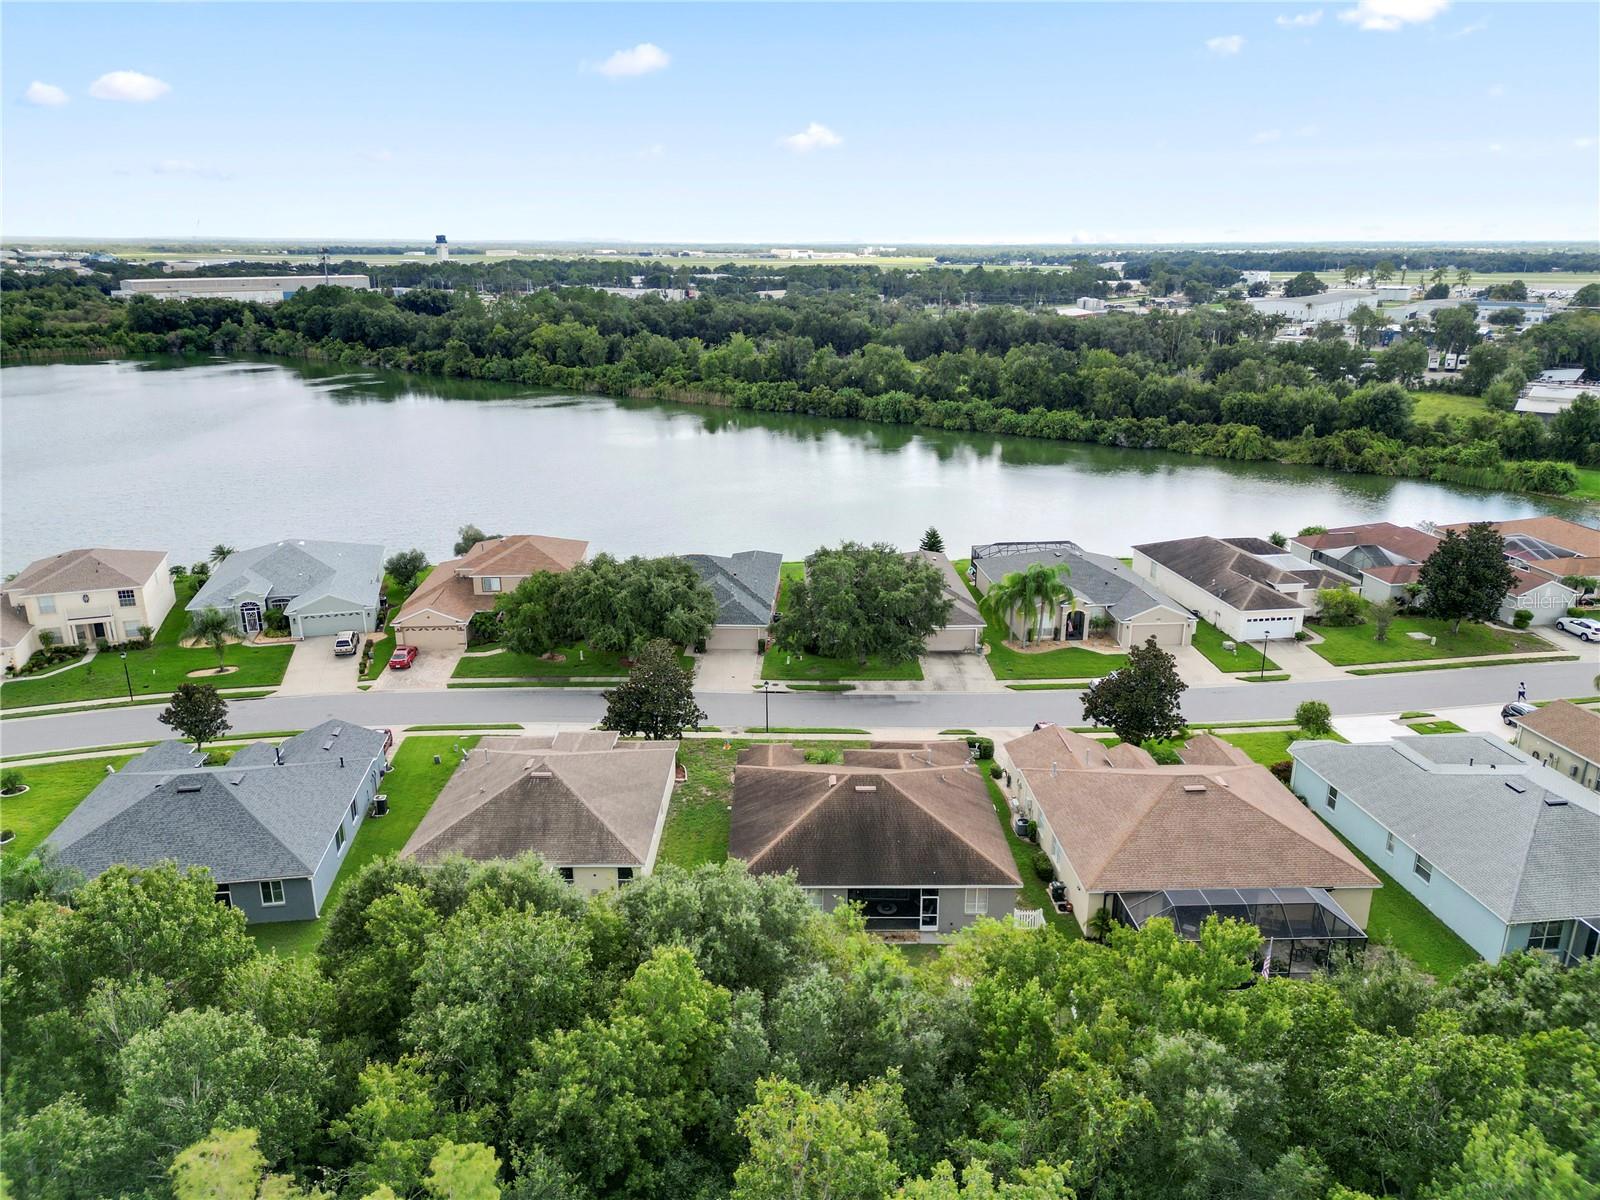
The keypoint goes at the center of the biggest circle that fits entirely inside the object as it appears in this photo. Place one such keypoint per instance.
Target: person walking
(1522, 691)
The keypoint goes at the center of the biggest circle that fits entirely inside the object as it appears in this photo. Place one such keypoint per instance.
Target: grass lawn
(1246, 656)
(787, 665)
(54, 790)
(1435, 727)
(918, 954)
(1353, 645)
(1048, 687)
(412, 787)
(1455, 666)
(508, 664)
(1430, 406)
(1400, 920)
(1588, 484)
(1263, 678)
(697, 822)
(1035, 892)
(1069, 662)
(154, 671)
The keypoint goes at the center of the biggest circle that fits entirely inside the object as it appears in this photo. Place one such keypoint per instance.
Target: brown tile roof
(1583, 540)
(771, 754)
(568, 799)
(1059, 747)
(1208, 750)
(1526, 581)
(86, 571)
(1188, 827)
(963, 608)
(1240, 580)
(856, 826)
(909, 755)
(448, 591)
(1563, 722)
(1404, 573)
(1412, 543)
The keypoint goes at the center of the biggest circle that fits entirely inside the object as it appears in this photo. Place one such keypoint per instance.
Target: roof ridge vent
(1194, 788)
(237, 779)
(866, 787)
(190, 786)
(1515, 786)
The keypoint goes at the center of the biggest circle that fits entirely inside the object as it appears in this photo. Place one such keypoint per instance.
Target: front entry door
(930, 910)
(250, 617)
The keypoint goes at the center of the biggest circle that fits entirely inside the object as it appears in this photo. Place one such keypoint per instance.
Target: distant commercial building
(265, 289)
(441, 246)
(1249, 277)
(1324, 306)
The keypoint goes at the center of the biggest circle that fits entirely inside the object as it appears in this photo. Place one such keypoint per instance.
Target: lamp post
(766, 695)
(1263, 673)
(123, 654)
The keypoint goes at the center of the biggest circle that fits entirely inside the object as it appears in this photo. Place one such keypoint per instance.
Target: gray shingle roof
(247, 820)
(745, 584)
(964, 612)
(1234, 576)
(1096, 578)
(308, 571)
(1447, 797)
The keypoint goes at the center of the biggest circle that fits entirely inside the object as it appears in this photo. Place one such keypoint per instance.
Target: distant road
(865, 710)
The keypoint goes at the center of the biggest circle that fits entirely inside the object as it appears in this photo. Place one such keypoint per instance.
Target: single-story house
(323, 588)
(592, 806)
(746, 589)
(1564, 738)
(1102, 586)
(273, 825)
(904, 829)
(1216, 835)
(1554, 545)
(962, 632)
(436, 615)
(1499, 847)
(83, 597)
(1238, 591)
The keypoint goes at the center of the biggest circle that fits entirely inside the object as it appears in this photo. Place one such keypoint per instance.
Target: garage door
(328, 624)
(1165, 634)
(449, 637)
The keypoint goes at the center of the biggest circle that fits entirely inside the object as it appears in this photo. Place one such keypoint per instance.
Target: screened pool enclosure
(1305, 929)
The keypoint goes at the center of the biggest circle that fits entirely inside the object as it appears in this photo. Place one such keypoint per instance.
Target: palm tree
(1438, 276)
(1351, 274)
(1463, 277)
(1037, 592)
(211, 627)
(219, 552)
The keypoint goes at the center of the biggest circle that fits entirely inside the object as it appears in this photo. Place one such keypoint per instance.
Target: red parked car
(402, 658)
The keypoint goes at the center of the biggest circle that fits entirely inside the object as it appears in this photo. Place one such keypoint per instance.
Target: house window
(352, 809)
(338, 838)
(126, 598)
(1333, 798)
(975, 901)
(1423, 868)
(1388, 843)
(47, 604)
(271, 893)
(624, 874)
(1545, 935)
(491, 583)
(566, 873)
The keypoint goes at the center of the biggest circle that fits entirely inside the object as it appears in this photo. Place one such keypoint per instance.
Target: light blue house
(323, 588)
(273, 825)
(1503, 850)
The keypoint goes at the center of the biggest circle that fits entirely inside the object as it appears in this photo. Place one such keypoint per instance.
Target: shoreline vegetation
(844, 343)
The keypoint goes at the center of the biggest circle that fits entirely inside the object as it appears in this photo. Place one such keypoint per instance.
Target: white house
(1245, 597)
(83, 597)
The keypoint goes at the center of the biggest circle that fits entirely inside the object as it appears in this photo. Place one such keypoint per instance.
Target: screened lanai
(1304, 928)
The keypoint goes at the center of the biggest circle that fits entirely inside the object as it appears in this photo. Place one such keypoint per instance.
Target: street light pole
(1263, 673)
(127, 677)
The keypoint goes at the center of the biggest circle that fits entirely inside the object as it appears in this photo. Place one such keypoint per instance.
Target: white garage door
(328, 624)
(443, 637)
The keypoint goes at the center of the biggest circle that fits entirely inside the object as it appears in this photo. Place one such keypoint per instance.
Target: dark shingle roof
(1234, 576)
(744, 584)
(1096, 578)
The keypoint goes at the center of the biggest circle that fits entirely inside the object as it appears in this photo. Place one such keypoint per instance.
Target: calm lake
(180, 456)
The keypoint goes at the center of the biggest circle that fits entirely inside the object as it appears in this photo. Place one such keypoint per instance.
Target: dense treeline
(712, 1035)
(1305, 258)
(1208, 382)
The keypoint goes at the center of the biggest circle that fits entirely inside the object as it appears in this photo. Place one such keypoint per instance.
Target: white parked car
(1581, 627)
(345, 643)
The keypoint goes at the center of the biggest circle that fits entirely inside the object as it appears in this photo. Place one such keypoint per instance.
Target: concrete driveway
(1380, 727)
(431, 672)
(727, 671)
(957, 673)
(314, 670)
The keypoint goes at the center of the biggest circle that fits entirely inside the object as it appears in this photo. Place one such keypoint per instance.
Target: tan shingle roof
(86, 571)
(569, 801)
(13, 623)
(963, 608)
(1185, 827)
(1208, 750)
(1564, 723)
(1060, 747)
(448, 591)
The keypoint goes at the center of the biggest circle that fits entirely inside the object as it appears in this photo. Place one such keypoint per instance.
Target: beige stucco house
(436, 615)
(1564, 738)
(85, 596)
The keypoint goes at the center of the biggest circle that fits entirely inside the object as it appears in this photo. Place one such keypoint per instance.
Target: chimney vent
(1194, 788)
(833, 781)
(237, 779)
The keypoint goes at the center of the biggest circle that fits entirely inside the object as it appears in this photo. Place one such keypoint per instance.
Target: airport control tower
(441, 246)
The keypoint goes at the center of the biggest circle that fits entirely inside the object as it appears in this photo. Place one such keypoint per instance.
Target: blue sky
(1370, 119)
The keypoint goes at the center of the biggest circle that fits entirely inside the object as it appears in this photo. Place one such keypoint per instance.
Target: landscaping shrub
(1031, 832)
(1101, 624)
(1283, 770)
(11, 782)
(982, 748)
(1042, 866)
(275, 620)
(994, 771)
(1300, 635)
(1315, 718)
(1339, 606)
(1575, 611)
(1163, 754)
(483, 628)
(1522, 618)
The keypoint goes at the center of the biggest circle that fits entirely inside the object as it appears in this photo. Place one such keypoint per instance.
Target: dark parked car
(1517, 708)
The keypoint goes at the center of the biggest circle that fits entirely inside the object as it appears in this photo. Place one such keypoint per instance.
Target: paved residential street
(1428, 690)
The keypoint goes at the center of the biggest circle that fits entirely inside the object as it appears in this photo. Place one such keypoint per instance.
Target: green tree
(1588, 296)
(1366, 321)
(1463, 278)
(1351, 273)
(657, 698)
(1339, 606)
(1504, 1163)
(228, 1166)
(395, 1127)
(1314, 718)
(211, 627)
(1456, 329)
(831, 1147)
(470, 535)
(405, 566)
(1304, 284)
(1036, 593)
(932, 541)
(1383, 614)
(464, 1173)
(536, 616)
(220, 552)
(198, 712)
(1466, 577)
(1382, 271)
(856, 601)
(623, 604)
(1139, 702)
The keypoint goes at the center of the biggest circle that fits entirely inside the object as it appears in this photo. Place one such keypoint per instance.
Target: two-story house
(436, 615)
(84, 597)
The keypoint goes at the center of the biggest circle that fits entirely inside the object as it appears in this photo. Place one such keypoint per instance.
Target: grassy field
(697, 822)
(1433, 405)
(1035, 892)
(1480, 279)
(786, 665)
(155, 671)
(1588, 484)
(412, 787)
(595, 664)
(1354, 645)
(54, 790)
(1246, 656)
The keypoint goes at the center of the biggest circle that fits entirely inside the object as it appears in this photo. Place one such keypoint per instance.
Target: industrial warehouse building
(265, 289)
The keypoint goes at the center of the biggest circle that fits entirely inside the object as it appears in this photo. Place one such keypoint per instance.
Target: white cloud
(1469, 30)
(183, 166)
(130, 86)
(1497, 89)
(1386, 16)
(1228, 44)
(1267, 135)
(1300, 20)
(45, 95)
(814, 136)
(380, 155)
(1583, 143)
(641, 60)
(655, 150)
(1495, 147)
